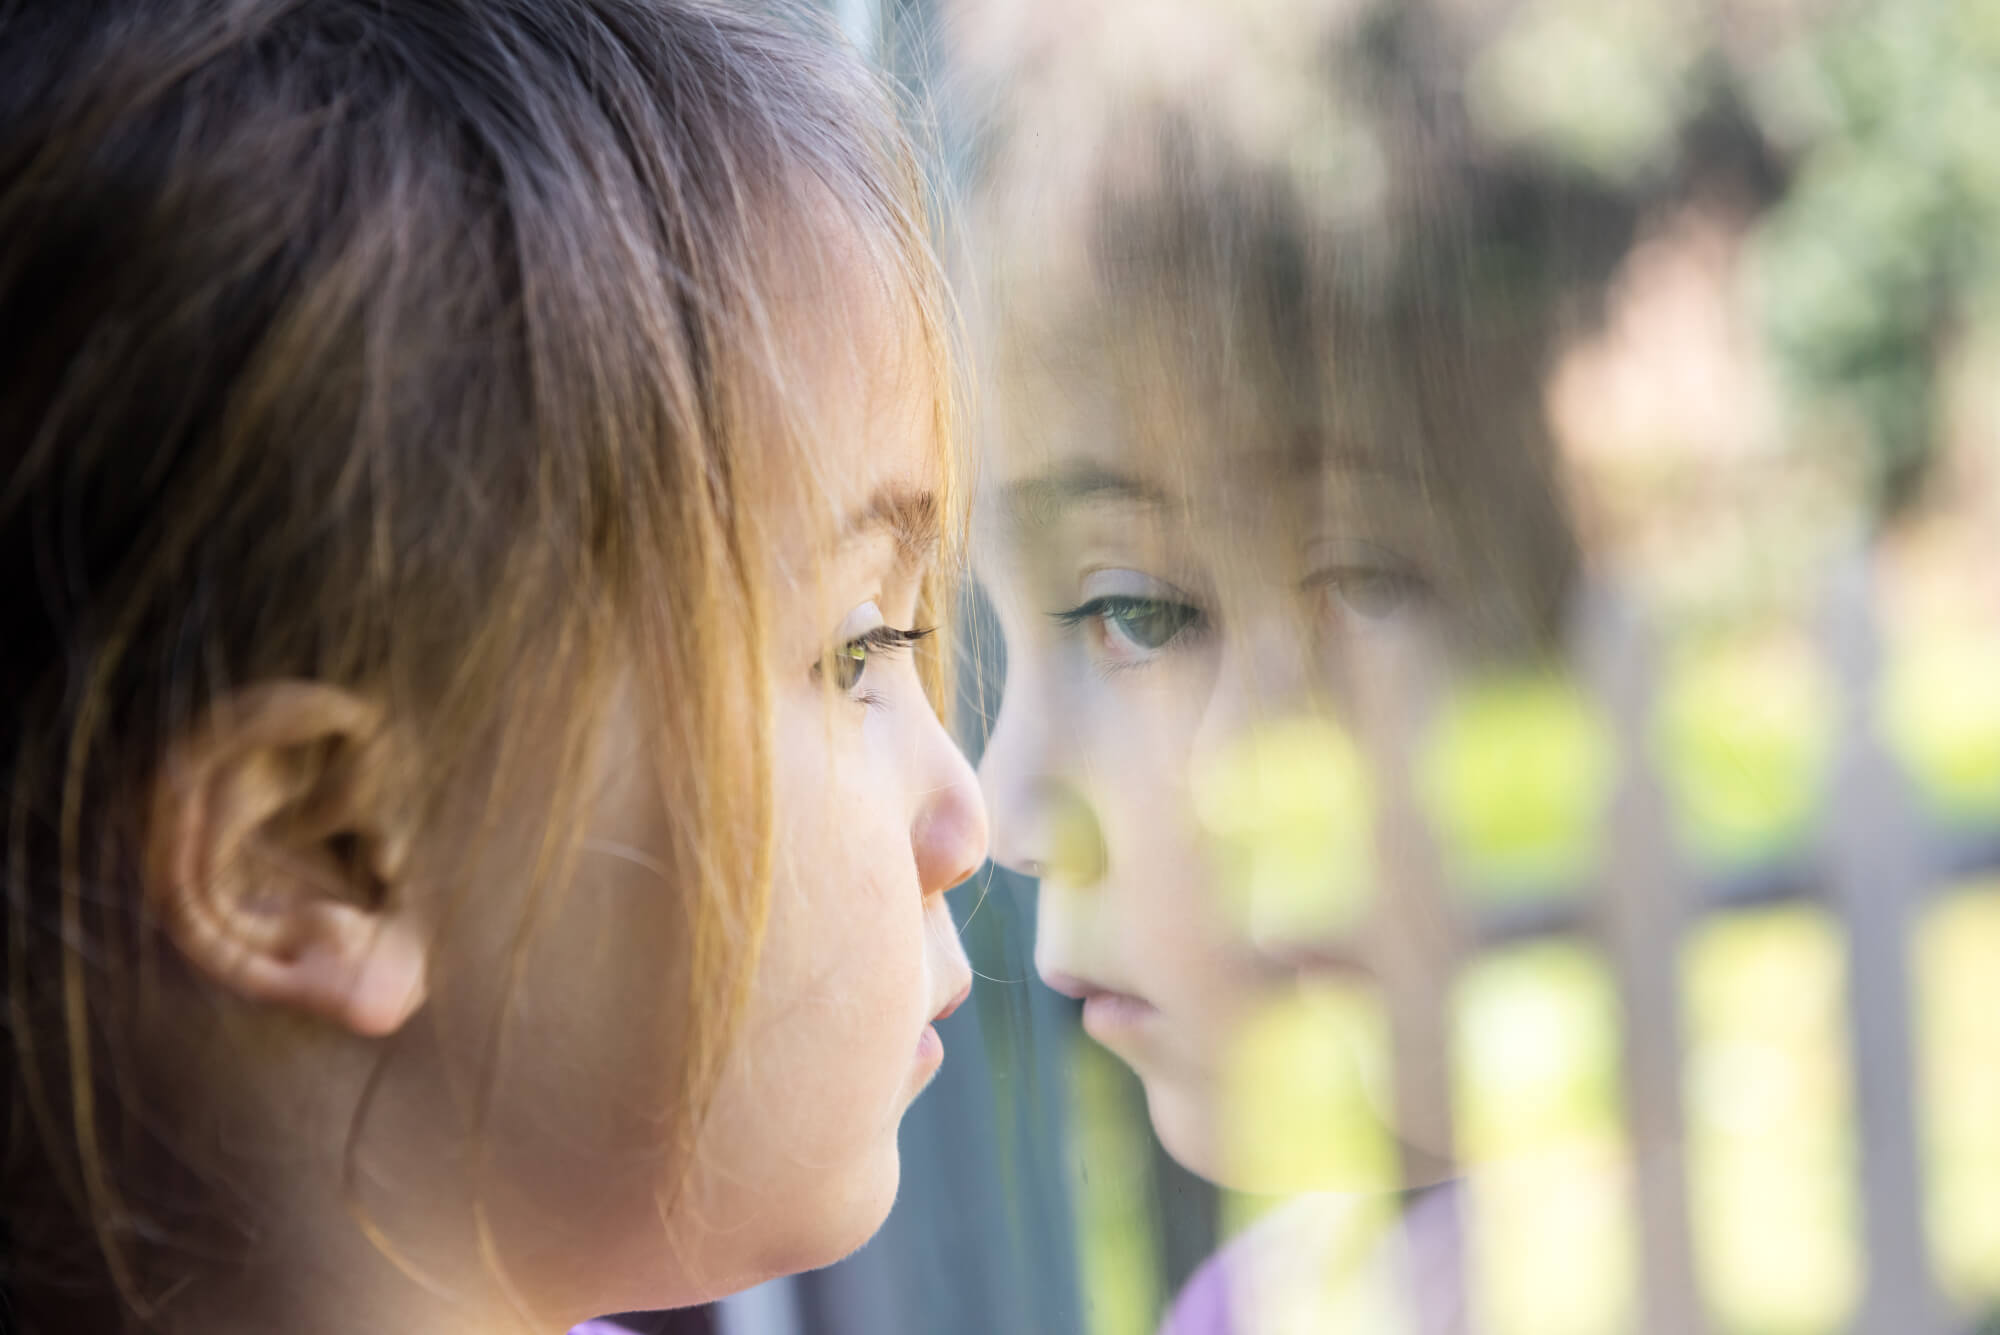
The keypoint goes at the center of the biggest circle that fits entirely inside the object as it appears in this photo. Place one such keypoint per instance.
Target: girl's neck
(333, 1266)
(313, 1270)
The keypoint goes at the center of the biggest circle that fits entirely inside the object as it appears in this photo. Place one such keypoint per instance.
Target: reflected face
(1174, 757)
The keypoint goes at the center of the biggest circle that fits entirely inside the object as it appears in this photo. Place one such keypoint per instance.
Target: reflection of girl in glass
(473, 492)
(1267, 436)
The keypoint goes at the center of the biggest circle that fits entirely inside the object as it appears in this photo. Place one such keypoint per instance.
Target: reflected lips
(1106, 1013)
(1109, 1014)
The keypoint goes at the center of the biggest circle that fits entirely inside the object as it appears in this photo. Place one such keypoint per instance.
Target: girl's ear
(277, 855)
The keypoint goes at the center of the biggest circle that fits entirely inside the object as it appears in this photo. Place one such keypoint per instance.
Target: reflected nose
(1042, 825)
(1051, 834)
(1073, 935)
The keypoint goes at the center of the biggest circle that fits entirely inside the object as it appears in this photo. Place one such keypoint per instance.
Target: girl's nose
(948, 832)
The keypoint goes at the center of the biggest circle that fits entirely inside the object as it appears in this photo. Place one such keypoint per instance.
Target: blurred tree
(1889, 237)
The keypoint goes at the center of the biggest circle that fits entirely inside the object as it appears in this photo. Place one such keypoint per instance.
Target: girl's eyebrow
(910, 515)
(1040, 501)
(1037, 502)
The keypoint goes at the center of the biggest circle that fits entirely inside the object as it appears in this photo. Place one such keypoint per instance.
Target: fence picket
(1646, 900)
(1875, 867)
(1416, 946)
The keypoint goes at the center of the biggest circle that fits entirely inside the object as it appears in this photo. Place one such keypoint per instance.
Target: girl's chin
(1191, 1127)
(850, 1219)
(1185, 1121)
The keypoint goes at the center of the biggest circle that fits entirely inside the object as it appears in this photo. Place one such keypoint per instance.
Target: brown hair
(1297, 251)
(425, 348)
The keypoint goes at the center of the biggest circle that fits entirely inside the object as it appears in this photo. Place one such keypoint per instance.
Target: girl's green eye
(1144, 624)
(1150, 623)
(847, 663)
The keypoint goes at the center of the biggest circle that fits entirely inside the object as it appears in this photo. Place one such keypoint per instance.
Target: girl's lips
(1107, 1015)
(930, 1046)
(1106, 1011)
(1081, 988)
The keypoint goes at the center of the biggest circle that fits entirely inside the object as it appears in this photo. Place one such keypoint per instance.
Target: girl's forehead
(1202, 463)
(842, 288)
(872, 390)
(858, 380)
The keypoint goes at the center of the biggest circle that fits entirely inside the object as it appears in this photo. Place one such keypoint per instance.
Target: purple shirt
(1318, 1246)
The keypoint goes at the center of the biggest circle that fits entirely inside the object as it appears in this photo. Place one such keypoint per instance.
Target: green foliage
(1626, 83)
(1941, 715)
(1744, 735)
(1117, 1237)
(1290, 817)
(1515, 774)
(1890, 232)
(1886, 235)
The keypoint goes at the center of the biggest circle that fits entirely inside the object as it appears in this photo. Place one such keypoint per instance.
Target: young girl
(1266, 356)
(473, 484)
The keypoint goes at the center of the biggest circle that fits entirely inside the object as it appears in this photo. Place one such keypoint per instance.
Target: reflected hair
(1285, 274)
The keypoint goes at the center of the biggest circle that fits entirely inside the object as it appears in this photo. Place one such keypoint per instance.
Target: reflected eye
(1374, 593)
(848, 663)
(1133, 628)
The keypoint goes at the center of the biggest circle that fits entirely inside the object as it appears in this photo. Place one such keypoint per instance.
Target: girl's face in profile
(876, 813)
(1189, 640)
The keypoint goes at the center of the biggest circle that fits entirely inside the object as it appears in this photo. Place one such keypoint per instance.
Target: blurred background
(1724, 1003)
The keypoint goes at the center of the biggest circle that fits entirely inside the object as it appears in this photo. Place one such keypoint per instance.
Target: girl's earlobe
(277, 855)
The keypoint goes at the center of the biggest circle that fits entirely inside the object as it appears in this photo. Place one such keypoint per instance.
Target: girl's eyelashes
(1128, 630)
(847, 664)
